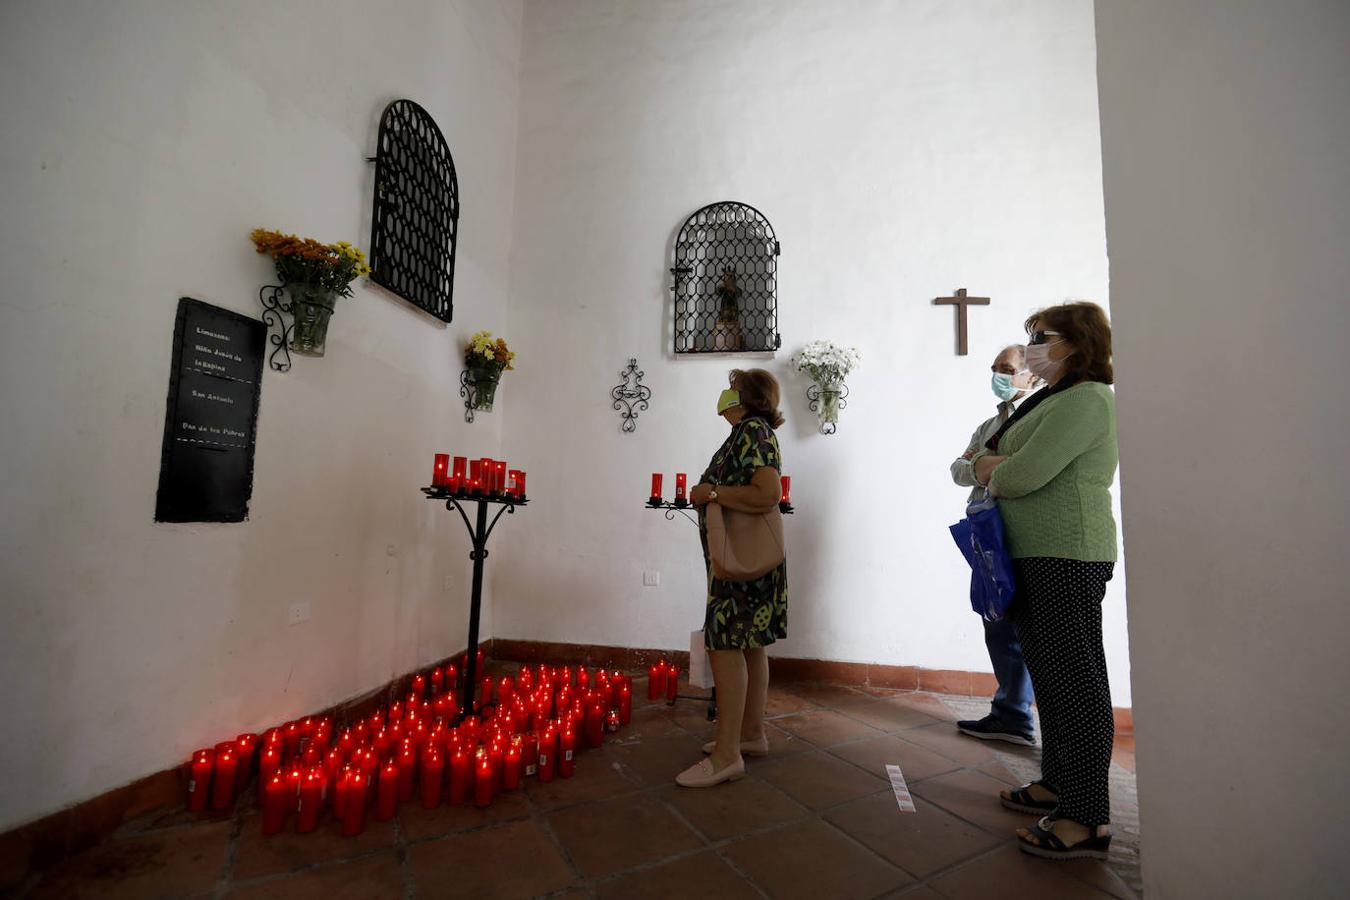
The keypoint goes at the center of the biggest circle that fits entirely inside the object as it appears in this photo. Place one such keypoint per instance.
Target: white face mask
(1041, 365)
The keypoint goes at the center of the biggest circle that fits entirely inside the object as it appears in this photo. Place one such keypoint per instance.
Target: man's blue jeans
(1012, 701)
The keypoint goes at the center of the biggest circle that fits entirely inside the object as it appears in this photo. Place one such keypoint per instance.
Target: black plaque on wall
(206, 466)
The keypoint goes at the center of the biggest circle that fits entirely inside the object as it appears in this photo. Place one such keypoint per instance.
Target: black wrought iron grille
(726, 281)
(416, 211)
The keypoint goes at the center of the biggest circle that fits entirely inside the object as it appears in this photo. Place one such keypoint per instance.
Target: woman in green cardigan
(1050, 468)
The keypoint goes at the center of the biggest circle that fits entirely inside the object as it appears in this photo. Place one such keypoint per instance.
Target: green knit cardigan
(1054, 490)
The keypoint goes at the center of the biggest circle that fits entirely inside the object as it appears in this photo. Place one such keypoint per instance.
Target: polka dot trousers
(1058, 614)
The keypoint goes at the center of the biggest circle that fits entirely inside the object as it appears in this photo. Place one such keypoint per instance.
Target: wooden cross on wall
(961, 301)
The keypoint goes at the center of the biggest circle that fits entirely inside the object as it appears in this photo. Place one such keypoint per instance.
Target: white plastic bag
(700, 669)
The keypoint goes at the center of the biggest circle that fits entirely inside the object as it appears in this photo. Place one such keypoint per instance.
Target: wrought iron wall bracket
(628, 394)
(275, 310)
(671, 509)
(817, 395)
(469, 391)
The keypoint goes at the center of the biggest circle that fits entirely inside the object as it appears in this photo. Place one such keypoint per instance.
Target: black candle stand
(479, 532)
(683, 509)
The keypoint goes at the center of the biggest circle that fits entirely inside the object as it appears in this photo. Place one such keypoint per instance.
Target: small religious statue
(727, 333)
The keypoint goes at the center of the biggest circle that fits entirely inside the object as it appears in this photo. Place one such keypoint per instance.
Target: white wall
(1224, 131)
(901, 150)
(141, 143)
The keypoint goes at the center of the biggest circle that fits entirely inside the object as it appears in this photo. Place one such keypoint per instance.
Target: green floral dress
(743, 615)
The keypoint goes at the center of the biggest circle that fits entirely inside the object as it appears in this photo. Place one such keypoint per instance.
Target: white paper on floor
(902, 797)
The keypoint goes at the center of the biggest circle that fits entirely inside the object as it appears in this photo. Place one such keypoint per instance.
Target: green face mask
(727, 400)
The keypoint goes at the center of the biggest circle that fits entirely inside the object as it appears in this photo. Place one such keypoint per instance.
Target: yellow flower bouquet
(486, 359)
(314, 274)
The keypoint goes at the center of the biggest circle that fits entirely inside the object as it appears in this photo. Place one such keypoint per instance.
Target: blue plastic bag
(980, 538)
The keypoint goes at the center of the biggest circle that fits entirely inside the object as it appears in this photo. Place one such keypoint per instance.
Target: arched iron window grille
(415, 222)
(726, 281)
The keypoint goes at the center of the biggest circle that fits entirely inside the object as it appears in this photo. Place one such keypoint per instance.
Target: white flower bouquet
(827, 364)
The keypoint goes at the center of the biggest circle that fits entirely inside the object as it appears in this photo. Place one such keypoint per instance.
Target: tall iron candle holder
(682, 507)
(479, 532)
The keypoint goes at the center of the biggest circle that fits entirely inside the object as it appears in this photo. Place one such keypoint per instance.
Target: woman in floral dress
(743, 617)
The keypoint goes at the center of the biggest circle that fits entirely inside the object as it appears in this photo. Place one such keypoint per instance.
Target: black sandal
(1049, 846)
(1020, 800)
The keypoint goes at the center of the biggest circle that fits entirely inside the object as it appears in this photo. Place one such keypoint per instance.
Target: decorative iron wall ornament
(726, 281)
(826, 402)
(415, 223)
(630, 392)
(275, 310)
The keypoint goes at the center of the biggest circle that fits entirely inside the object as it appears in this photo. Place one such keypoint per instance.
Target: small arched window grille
(415, 221)
(726, 281)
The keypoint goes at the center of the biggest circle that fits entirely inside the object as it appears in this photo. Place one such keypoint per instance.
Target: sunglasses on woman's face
(1038, 337)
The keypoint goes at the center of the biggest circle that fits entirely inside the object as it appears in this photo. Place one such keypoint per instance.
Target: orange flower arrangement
(331, 267)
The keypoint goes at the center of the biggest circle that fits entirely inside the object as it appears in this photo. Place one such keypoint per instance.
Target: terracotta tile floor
(816, 819)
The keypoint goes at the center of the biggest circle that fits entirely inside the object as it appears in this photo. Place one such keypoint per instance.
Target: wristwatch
(712, 497)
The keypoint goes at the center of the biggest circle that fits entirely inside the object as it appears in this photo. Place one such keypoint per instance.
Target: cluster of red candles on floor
(682, 485)
(484, 477)
(663, 680)
(529, 725)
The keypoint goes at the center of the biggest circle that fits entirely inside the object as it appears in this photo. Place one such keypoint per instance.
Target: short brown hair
(1083, 324)
(759, 393)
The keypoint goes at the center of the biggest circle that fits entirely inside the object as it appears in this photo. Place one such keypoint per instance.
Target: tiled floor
(816, 819)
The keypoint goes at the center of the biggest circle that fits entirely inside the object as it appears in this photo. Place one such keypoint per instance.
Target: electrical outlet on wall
(651, 579)
(299, 612)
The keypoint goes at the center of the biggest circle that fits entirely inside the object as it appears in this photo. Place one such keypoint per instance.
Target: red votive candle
(419, 685)
(459, 775)
(548, 749)
(511, 774)
(656, 680)
(311, 801)
(681, 481)
(395, 711)
(437, 681)
(269, 762)
(276, 800)
(458, 473)
(199, 780)
(292, 734)
(499, 477)
(519, 479)
(497, 756)
(433, 777)
(672, 683)
(440, 471)
(657, 480)
(787, 490)
(612, 720)
(354, 805)
(407, 763)
(506, 690)
(483, 778)
(246, 748)
(625, 703)
(294, 776)
(513, 483)
(595, 725)
(529, 754)
(386, 794)
(486, 469)
(567, 748)
(222, 784)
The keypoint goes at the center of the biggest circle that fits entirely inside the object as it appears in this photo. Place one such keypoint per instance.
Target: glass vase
(311, 308)
(483, 383)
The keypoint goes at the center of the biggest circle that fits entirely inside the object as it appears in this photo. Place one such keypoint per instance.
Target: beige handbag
(744, 546)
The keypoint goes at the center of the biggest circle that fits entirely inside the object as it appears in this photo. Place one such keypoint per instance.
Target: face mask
(727, 400)
(1003, 386)
(1041, 365)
